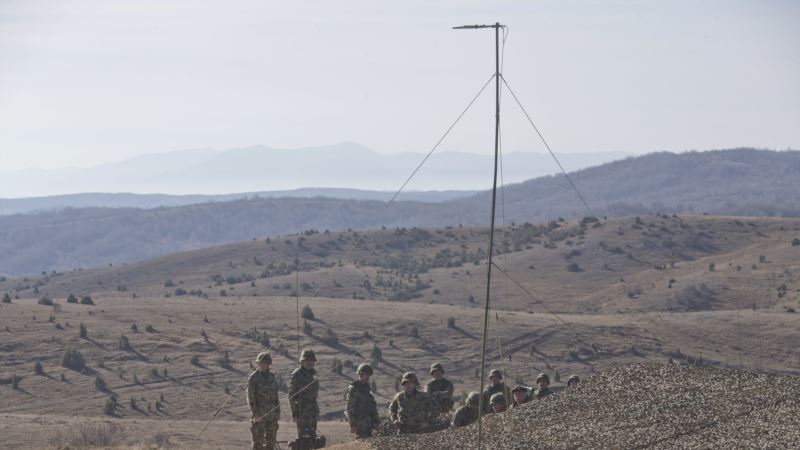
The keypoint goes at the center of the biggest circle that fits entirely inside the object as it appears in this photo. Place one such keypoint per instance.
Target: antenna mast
(497, 76)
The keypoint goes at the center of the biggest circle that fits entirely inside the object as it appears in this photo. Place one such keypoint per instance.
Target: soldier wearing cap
(303, 393)
(521, 396)
(262, 398)
(468, 413)
(498, 403)
(497, 386)
(440, 388)
(543, 381)
(573, 381)
(412, 410)
(362, 412)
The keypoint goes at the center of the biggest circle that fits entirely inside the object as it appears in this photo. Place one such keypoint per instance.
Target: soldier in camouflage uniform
(498, 403)
(262, 398)
(497, 386)
(521, 396)
(543, 381)
(412, 410)
(303, 392)
(362, 412)
(440, 388)
(573, 381)
(468, 413)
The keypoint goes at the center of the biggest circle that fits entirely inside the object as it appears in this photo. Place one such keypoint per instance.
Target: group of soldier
(412, 410)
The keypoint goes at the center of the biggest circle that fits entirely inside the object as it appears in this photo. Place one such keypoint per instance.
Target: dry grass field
(710, 291)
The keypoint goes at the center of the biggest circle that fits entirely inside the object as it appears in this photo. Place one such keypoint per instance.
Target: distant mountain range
(726, 182)
(259, 168)
(148, 201)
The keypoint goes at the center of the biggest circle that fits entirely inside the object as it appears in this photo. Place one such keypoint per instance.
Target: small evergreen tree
(82, 331)
(6, 298)
(307, 313)
(38, 369)
(376, 354)
(86, 300)
(72, 299)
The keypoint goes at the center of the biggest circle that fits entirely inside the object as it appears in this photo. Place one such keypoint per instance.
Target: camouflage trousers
(307, 424)
(265, 434)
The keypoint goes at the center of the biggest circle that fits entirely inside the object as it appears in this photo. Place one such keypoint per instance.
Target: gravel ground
(642, 406)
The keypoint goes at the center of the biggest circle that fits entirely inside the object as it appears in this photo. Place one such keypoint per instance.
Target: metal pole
(496, 26)
(491, 227)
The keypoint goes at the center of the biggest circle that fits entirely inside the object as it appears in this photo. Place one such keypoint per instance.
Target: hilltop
(730, 182)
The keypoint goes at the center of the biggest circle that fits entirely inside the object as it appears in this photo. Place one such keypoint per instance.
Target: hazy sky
(87, 82)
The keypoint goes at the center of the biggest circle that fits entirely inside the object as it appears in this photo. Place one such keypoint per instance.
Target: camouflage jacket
(302, 400)
(361, 407)
(442, 391)
(262, 394)
(489, 391)
(413, 410)
(542, 393)
(464, 416)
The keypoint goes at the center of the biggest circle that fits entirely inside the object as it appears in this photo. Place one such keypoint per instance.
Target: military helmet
(264, 356)
(364, 368)
(497, 398)
(410, 376)
(496, 373)
(574, 378)
(473, 398)
(308, 354)
(519, 388)
(543, 376)
(437, 366)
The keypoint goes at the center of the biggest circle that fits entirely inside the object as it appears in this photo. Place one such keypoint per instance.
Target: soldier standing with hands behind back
(303, 392)
(262, 398)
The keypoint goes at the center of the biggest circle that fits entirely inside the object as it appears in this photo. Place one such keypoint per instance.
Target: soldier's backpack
(308, 442)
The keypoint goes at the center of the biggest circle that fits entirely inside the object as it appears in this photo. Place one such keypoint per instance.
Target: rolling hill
(742, 182)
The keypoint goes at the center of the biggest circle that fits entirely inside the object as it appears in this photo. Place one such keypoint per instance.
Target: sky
(88, 82)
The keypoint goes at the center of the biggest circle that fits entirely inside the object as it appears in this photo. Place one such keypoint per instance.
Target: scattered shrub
(451, 322)
(124, 343)
(72, 299)
(110, 408)
(73, 359)
(149, 328)
(307, 313)
(376, 354)
(38, 369)
(574, 267)
(307, 328)
(86, 300)
(195, 361)
(6, 298)
(45, 300)
(100, 383)
(82, 331)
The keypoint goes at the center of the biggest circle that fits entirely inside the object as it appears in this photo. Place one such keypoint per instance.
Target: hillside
(720, 182)
(646, 263)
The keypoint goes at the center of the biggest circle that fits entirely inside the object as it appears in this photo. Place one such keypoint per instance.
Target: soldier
(262, 398)
(468, 413)
(498, 403)
(543, 381)
(496, 378)
(573, 381)
(412, 410)
(440, 388)
(521, 396)
(362, 412)
(303, 392)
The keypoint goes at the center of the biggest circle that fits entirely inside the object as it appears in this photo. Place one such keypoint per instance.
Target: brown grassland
(701, 290)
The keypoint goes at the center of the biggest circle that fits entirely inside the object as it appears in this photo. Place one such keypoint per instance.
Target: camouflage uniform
(542, 392)
(362, 411)
(574, 378)
(415, 411)
(262, 397)
(303, 393)
(468, 413)
(527, 392)
(489, 391)
(500, 399)
(441, 390)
